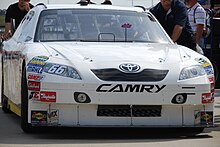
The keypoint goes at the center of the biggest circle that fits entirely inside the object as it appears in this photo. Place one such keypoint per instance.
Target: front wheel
(26, 127)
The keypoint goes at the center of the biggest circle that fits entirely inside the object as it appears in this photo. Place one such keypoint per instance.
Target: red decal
(35, 77)
(213, 91)
(206, 98)
(33, 85)
(35, 96)
(126, 25)
(211, 79)
(47, 96)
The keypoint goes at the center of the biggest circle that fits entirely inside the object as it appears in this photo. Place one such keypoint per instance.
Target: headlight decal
(191, 72)
(61, 70)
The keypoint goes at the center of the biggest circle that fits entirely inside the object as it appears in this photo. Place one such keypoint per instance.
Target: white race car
(103, 66)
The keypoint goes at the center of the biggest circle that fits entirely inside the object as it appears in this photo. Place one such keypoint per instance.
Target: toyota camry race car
(103, 66)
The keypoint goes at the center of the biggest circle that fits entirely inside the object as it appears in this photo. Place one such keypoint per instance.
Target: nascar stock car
(103, 66)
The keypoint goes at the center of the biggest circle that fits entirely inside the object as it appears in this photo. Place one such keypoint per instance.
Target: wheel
(4, 100)
(26, 127)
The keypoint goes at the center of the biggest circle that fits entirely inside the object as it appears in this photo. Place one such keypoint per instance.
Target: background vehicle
(103, 66)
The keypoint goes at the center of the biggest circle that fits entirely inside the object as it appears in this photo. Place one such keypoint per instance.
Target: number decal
(60, 70)
(57, 69)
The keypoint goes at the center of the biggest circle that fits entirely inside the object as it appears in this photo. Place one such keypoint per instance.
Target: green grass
(2, 20)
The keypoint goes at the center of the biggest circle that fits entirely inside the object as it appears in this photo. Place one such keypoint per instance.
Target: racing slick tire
(26, 127)
(191, 131)
(197, 130)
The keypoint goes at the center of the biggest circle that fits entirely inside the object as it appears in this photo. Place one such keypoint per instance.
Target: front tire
(26, 127)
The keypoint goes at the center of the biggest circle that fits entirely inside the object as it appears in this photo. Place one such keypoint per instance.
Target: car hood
(107, 54)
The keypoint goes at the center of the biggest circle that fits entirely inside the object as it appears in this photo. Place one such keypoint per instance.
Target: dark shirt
(177, 15)
(107, 2)
(13, 12)
(81, 2)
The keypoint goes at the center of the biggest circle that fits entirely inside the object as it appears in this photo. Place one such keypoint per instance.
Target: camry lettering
(130, 88)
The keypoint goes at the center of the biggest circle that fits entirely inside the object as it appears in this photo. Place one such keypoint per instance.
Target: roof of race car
(91, 6)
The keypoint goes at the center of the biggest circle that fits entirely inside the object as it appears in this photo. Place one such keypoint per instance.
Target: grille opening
(147, 75)
(129, 111)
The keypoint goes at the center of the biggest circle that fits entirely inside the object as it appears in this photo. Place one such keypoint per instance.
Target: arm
(199, 31)
(181, 16)
(176, 32)
(7, 33)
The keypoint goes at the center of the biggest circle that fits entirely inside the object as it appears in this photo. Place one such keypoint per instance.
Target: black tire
(197, 130)
(4, 100)
(191, 131)
(26, 127)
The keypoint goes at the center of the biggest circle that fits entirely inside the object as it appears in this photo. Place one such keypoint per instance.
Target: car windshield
(95, 25)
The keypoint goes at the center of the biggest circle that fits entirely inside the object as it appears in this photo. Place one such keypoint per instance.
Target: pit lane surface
(11, 135)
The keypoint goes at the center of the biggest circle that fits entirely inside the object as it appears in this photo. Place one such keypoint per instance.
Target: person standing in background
(197, 18)
(173, 16)
(202, 2)
(212, 4)
(15, 11)
(83, 1)
(107, 2)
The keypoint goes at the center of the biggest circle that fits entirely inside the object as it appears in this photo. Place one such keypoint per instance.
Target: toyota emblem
(129, 68)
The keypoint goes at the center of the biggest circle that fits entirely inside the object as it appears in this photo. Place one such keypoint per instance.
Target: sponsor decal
(206, 118)
(35, 96)
(35, 69)
(212, 92)
(46, 96)
(201, 60)
(130, 88)
(36, 64)
(32, 85)
(40, 58)
(209, 70)
(53, 117)
(126, 25)
(35, 77)
(211, 79)
(39, 117)
(38, 61)
(207, 66)
(206, 98)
